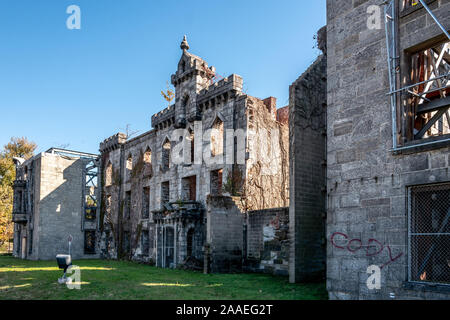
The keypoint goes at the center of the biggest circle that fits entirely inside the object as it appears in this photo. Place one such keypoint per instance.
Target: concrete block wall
(307, 123)
(224, 234)
(60, 208)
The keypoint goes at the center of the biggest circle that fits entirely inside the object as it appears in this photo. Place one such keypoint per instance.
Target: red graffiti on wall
(354, 245)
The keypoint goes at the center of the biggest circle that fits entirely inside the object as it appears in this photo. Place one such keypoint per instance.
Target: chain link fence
(429, 233)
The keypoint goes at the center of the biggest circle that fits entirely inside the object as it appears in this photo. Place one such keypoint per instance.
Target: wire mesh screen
(429, 236)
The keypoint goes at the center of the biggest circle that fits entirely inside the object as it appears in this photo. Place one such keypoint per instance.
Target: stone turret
(192, 76)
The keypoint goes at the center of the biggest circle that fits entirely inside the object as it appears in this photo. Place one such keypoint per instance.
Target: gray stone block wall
(366, 182)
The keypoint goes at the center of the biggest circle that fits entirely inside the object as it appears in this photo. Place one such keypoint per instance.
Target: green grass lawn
(101, 279)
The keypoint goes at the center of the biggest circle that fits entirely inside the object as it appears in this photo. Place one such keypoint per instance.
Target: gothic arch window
(165, 163)
(148, 156)
(217, 138)
(108, 174)
(148, 170)
(129, 165)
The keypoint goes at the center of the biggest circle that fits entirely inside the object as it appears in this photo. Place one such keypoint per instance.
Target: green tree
(17, 147)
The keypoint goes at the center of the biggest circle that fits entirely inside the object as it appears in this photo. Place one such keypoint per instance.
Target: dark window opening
(165, 192)
(30, 244)
(189, 188)
(126, 242)
(216, 182)
(190, 242)
(165, 165)
(146, 203)
(127, 205)
(145, 243)
(89, 242)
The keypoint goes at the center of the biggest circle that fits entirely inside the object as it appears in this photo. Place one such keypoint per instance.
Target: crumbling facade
(164, 192)
(55, 200)
(388, 180)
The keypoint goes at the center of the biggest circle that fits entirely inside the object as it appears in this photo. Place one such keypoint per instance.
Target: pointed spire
(184, 44)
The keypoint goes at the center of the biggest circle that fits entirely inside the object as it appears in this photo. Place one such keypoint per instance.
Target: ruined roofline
(71, 153)
(131, 141)
(314, 64)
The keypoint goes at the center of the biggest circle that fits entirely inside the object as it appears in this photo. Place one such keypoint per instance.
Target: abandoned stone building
(190, 191)
(55, 197)
(388, 179)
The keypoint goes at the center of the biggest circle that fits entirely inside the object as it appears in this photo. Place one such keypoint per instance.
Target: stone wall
(307, 121)
(267, 235)
(367, 183)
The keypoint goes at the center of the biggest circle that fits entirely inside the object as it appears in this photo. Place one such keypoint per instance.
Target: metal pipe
(419, 83)
(435, 19)
(420, 145)
(389, 47)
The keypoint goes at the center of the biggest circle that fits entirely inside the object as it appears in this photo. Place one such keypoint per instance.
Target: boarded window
(427, 101)
(146, 203)
(216, 182)
(89, 242)
(429, 236)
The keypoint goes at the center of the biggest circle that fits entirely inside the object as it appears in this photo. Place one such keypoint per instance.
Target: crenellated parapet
(112, 143)
(164, 118)
(220, 91)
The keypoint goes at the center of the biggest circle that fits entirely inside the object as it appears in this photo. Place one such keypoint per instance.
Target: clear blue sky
(77, 87)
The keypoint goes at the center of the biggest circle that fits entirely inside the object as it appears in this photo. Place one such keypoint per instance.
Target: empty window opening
(109, 174)
(429, 234)
(189, 188)
(217, 138)
(129, 166)
(216, 182)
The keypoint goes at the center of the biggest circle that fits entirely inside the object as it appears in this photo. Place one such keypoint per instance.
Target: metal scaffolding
(427, 96)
